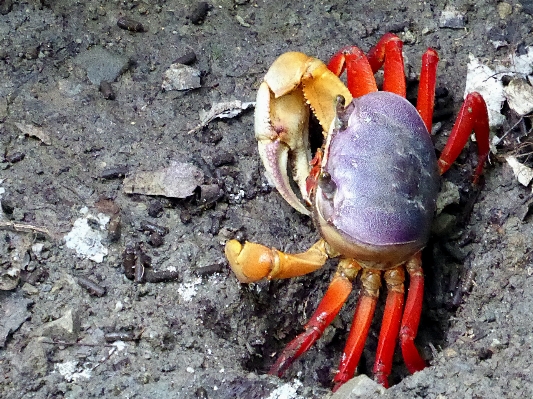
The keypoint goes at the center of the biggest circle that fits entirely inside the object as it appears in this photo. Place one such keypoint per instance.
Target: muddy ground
(204, 334)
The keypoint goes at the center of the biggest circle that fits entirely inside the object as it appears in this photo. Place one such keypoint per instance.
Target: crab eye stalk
(327, 185)
(340, 111)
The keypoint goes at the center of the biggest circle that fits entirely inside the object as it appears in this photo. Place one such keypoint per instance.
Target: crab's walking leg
(377, 54)
(337, 293)
(359, 75)
(360, 69)
(411, 315)
(426, 89)
(390, 325)
(472, 117)
(371, 281)
(253, 262)
(388, 52)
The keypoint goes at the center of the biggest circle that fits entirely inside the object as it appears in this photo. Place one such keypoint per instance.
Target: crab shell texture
(378, 205)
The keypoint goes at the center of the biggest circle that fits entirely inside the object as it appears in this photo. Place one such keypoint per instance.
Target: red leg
(390, 326)
(376, 55)
(359, 75)
(371, 280)
(388, 52)
(472, 117)
(394, 74)
(411, 315)
(327, 310)
(426, 89)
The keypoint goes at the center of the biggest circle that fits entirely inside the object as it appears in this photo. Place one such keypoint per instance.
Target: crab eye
(327, 185)
(340, 112)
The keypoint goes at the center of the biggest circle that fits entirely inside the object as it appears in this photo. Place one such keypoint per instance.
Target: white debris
(286, 391)
(452, 18)
(241, 21)
(520, 64)
(488, 83)
(85, 239)
(523, 173)
(188, 291)
(71, 372)
(226, 109)
(119, 345)
(179, 180)
(37, 248)
(181, 77)
(519, 96)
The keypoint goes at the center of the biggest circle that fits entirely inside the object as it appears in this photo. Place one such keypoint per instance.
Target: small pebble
(119, 336)
(159, 277)
(114, 229)
(210, 269)
(186, 59)
(91, 286)
(128, 261)
(130, 25)
(452, 18)
(119, 306)
(155, 240)
(107, 90)
(199, 12)
(153, 228)
(185, 217)
(15, 157)
(114, 172)
(155, 209)
(7, 206)
(223, 158)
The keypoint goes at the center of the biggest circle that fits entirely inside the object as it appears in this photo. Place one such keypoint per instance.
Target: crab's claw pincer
(281, 129)
(250, 262)
(294, 85)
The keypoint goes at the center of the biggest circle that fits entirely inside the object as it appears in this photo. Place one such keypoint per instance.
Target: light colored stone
(66, 328)
(181, 77)
(504, 10)
(359, 387)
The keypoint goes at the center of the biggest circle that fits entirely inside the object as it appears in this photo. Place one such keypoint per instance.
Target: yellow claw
(294, 83)
(253, 262)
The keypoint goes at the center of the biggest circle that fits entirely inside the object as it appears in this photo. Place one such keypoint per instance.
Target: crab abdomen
(385, 178)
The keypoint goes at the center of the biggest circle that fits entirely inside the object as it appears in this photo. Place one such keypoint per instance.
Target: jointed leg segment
(390, 325)
(473, 116)
(364, 313)
(411, 315)
(330, 305)
(360, 69)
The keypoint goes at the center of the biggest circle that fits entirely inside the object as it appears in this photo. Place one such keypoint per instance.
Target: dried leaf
(179, 180)
(34, 131)
(228, 109)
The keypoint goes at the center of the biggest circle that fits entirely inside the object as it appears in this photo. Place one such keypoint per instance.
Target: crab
(371, 190)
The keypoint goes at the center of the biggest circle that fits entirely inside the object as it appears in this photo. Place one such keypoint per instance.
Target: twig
(25, 228)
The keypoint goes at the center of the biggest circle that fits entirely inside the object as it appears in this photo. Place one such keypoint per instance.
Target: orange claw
(252, 262)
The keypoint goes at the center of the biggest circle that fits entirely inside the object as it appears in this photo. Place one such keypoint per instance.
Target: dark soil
(204, 334)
